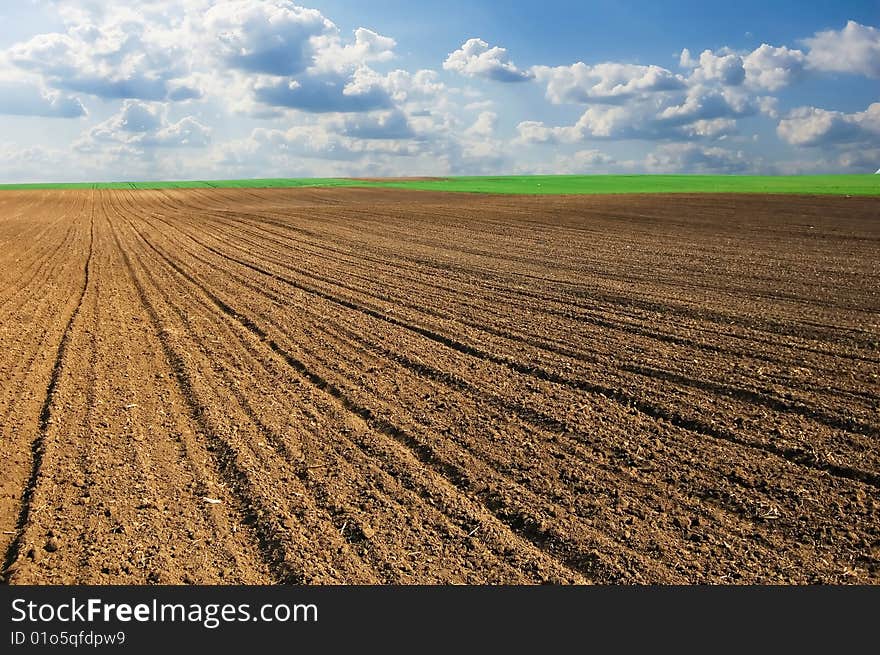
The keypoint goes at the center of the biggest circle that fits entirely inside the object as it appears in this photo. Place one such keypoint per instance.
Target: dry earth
(374, 386)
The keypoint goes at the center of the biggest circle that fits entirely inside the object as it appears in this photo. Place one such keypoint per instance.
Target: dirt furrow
(360, 415)
(375, 386)
(261, 333)
(697, 424)
(37, 447)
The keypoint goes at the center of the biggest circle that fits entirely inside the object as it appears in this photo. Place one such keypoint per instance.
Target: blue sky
(93, 90)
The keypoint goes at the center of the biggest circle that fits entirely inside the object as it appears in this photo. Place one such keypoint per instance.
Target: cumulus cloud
(580, 162)
(706, 103)
(629, 101)
(479, 105)
(136, 117)
(295, 58)
(726, 68)
(772, 68)
(419, 87)
(860, 160)
(185, 133)
(533, 132)
(120, 58)
(586, 161)
(648, 102)
(693, 158)
(24, 164)
(28, 99)
(330, 105)
(604, 83)
(334, 55)
(598, 122)
(264, 37)
(686, 60)
(854, 49)
(380, 142)
(318, 148)
(811, 126)
(314, 140)
(274, 52)
(484, 126)
(766, 67)
(703, 112)
(384, 125)
(476, 59)
(139, 126)
(716, 128)
(363, 90)
(711, 103)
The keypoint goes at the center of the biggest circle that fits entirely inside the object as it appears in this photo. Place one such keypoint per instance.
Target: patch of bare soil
(378, 386)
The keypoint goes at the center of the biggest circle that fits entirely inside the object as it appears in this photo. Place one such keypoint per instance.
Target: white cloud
(586, 161)
(604, 83)
(136, 117)
(333, 55)
(686, 60)
(421, 86)
(381, 142)
(31, 163)
(772, 68)
(24, 98)
(122, 57)
(258, 54)
(382, 125)
(264, 37)
(703, 112)
(139, 126)
(282, 39)
(768, 105)
(707, 103)
(318, 148)
(479, 105)
(811, 126)
(324, 101)
(716, 128)
(766, 67)
(321, 140)
(693, 158)
(476, 59)
(629, 101)
(622, 122)
(726, 68)
(861, 160)
(580, 162)
(854, 49)
(847, 160)
(484, 126)
(185, 133)
(532, 132)
(285, 57)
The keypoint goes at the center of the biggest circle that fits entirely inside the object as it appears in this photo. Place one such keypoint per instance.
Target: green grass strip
(854, 185)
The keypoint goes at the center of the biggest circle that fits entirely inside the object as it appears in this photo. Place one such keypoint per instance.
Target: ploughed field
(388, 386)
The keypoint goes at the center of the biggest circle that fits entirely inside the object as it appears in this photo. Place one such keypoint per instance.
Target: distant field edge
(854, 185)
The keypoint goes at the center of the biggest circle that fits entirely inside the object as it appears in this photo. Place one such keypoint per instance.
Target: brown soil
(375, 386)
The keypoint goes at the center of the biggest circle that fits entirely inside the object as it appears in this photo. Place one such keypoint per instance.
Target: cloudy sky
(195, 89)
